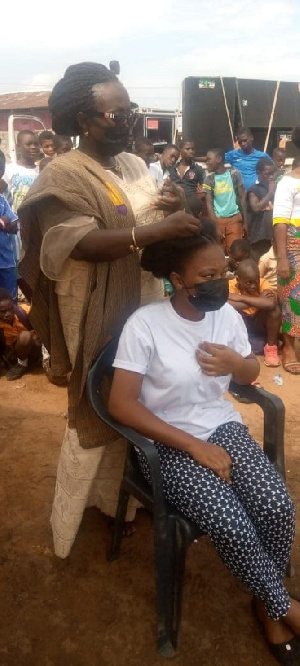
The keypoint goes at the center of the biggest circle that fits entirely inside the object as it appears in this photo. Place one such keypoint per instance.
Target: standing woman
(83, 223)
(286, 222)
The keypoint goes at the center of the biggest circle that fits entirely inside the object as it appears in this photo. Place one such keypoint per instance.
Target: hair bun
(74, 93)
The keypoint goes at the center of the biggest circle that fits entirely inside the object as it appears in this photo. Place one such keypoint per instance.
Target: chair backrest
(102, 368)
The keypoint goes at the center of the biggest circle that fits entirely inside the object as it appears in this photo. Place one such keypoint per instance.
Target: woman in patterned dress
(82, 223)
(286, 221)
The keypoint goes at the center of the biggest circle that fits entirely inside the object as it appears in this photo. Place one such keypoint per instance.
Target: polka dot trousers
(250, 523)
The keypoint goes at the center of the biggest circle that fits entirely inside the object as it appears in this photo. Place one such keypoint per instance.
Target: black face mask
(211, 295)
(118, 135)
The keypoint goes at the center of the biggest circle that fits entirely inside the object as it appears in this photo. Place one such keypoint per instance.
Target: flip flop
(289, 365)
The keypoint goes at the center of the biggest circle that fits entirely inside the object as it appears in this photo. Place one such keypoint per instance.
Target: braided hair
(74, 93)
(168, 256)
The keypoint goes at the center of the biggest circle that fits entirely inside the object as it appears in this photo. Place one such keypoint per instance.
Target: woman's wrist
(147, 234)
(246, 370)
(238, 364)
(193, 446)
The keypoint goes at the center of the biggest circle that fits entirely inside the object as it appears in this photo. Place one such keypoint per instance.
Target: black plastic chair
(173, 533)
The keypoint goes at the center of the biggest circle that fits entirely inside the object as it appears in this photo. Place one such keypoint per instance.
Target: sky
(157, 42)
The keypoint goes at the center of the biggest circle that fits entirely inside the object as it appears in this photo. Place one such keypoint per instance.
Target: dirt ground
(84, 611)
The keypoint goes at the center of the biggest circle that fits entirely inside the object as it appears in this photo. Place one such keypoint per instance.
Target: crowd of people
(105, 231)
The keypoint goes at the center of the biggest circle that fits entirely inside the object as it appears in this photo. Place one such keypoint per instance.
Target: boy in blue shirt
(245, 158)
(8, 228)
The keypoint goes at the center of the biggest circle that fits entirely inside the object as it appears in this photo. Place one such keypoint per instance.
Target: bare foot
(292, 619)
(129, 528)
(277, 631)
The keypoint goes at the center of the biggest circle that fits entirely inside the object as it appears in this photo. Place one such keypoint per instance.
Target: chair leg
(115, 547)
(170, 554)
(180, 549)
(164, 569)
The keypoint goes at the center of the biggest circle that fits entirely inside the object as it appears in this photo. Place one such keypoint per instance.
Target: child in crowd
(239, 250)
(18, 178)
(8, 227)
(20, 175)
(225, 198)
(143, 148)
(260, 198)
(46, 140)
(253, 297)
(19, 347)
(268, 267)
(160, 170)
(187, 173)
(62, 145)
(279, 157)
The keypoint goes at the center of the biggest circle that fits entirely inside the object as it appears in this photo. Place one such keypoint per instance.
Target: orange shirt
(234, 289)
(11, 332)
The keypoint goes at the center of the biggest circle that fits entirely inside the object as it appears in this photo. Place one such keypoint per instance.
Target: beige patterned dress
(90, 477)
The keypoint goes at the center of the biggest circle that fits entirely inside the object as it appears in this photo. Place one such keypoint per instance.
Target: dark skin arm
(284, 268)
(3, 185)
(110, 244)
(171, 198)
(210, 207)
(225, 361)
(125, 407)
(257, 204)
(10, 226)
(243, 207)
(265, 301)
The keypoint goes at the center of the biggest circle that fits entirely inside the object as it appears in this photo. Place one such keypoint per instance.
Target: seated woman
(174, 363)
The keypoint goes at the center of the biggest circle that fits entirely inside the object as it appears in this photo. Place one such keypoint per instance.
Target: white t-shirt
(19, 179)
(159, 344)
(159, 176)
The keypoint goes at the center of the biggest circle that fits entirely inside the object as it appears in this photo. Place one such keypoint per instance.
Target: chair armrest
(274, 416)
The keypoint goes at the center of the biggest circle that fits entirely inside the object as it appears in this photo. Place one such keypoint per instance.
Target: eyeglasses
(121, 118)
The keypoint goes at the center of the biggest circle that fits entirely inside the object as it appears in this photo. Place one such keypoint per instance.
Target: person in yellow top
(253, 297)
(19, 346)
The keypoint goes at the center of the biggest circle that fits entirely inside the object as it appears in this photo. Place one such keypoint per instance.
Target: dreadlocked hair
(164, 257)
(74, 93)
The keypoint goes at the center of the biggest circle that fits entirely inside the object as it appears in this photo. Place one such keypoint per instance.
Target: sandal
(15, 372)
(291, 364)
